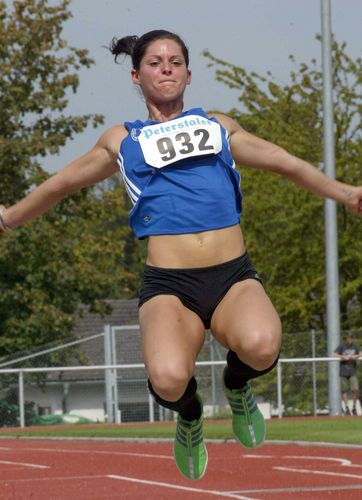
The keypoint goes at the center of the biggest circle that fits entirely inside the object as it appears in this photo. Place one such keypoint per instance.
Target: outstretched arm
(96, 165)
(252, 151)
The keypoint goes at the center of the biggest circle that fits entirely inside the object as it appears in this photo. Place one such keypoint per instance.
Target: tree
(76, 253)
(284, 225)
(38, 69)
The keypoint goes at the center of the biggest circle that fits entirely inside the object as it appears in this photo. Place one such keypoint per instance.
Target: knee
(260, 350)
(169, 381)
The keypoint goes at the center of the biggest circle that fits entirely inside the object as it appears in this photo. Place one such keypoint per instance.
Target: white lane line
(99, 452)
(322, 473)
(24, 464)
(158, 484)
(53, 478)
(341, 461)
(305, 488)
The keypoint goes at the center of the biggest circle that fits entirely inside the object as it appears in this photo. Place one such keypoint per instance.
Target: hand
(354, 199)
(3, 226)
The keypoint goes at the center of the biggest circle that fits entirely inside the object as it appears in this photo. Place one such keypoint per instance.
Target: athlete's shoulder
(229, 123)
(112, 138)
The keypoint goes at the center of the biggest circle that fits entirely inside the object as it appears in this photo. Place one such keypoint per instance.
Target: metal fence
(115, 389)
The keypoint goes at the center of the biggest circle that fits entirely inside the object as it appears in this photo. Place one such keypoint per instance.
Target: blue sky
(258, 35)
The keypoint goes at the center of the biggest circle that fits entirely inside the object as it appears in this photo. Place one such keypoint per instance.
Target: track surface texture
(104, 470)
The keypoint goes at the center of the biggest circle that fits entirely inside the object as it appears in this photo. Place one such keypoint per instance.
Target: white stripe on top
(227, 136)
(132, 190)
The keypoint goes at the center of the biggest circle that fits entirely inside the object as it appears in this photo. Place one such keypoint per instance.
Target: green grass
(329, 430)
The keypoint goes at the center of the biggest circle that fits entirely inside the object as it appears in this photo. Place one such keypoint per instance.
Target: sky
(258, 35)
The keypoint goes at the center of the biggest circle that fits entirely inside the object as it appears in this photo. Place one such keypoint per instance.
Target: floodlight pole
(330, 215)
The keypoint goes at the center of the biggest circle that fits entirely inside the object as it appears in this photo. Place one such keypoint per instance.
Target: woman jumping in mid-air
(179, 170)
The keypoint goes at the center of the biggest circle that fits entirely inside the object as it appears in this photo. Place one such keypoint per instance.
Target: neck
(164, 112)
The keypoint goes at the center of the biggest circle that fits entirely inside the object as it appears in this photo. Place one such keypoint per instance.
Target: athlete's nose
(167, 67)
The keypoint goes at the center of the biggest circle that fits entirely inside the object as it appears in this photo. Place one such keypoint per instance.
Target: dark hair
(136, 47)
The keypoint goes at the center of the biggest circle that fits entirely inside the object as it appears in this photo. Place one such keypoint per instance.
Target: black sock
(238, 373)
(188, 406)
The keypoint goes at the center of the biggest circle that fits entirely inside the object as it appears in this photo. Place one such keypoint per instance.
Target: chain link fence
(104, 380)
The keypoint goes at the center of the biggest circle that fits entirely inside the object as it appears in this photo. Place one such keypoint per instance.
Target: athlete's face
(163, 74)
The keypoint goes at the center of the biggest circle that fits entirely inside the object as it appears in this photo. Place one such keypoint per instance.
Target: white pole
(21, 399)
(280, 395)
(314, 376)
(151, 409)
(108, 374)
(116, 411)
(330, 214)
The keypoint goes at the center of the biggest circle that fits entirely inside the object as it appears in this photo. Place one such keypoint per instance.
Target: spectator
(348, 352)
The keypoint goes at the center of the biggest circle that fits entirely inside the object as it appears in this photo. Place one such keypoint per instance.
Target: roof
(91, 352)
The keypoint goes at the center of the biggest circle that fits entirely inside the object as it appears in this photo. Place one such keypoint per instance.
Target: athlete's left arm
(251, 151)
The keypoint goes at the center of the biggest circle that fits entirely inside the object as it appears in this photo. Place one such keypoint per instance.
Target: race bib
(168, 142)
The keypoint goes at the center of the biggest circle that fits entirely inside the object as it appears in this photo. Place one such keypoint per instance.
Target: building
(83, 392)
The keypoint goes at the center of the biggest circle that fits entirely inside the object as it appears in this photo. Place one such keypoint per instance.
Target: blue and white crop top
(180, 175)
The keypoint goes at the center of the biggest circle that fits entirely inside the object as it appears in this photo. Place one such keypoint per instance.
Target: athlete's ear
(135, 76)
(189, 75)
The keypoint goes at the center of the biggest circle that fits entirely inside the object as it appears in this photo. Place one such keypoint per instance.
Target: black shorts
(199, 289)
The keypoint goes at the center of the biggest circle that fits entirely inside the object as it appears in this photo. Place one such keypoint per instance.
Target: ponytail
(135, 46)
(124, 45)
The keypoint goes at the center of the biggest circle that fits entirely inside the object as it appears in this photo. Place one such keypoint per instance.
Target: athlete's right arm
(96, 165)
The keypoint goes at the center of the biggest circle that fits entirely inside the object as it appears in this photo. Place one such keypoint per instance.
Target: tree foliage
(81, 252)
(284, 225)
(38, 70)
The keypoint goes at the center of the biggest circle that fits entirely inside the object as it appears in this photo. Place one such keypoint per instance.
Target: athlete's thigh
(170, 331)
(244, 316)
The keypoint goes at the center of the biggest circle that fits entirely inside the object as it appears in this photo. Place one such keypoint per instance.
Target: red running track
(105, 470)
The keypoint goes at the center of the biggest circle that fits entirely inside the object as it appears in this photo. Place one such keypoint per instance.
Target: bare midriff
(196, 249)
